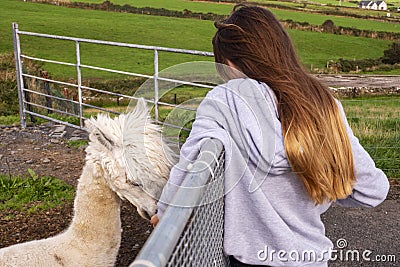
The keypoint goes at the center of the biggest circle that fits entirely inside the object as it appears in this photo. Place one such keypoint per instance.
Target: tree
(328, 26)
(392, 55)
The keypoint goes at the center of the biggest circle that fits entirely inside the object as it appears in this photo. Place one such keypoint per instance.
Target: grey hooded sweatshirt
(269, 217)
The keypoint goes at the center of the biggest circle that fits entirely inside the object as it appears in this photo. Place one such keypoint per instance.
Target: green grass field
(318, 19)
(225, 8)
(311, 18)
(128, 28)
(336, 45)
(148, 30)
(376, 122)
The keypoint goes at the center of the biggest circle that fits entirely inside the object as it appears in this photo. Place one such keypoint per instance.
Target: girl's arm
(372, 185)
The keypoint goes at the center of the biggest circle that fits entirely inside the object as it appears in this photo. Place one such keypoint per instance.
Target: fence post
(18, 67)
(79, 77)
(156, 85)
(47, 90)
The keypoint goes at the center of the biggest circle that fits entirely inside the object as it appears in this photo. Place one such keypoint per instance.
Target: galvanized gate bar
(48, 61)
(79, 78)
(156, 84)
(147, 47)
(48, 80)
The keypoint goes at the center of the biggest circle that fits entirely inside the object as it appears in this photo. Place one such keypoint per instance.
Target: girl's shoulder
(243, 95)
(241, 87)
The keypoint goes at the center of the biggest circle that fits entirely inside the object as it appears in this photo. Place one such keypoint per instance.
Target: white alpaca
(126, 157)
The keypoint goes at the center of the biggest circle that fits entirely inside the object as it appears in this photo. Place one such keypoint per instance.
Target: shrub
(392, 55)
(8, 86)
(361, 64)
(9, 104)
(8, 98)
(328, 26)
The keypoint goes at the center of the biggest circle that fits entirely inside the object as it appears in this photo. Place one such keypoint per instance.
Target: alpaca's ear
(141, 106)
(136, 117)
(97, 134)
(102, 138)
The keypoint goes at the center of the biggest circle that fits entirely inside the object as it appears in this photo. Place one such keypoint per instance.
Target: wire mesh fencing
(192, 234)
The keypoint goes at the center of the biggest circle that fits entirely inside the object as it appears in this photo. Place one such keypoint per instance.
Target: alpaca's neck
(96, 210)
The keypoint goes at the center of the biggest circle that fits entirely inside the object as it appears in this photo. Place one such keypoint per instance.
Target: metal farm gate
(23, 91)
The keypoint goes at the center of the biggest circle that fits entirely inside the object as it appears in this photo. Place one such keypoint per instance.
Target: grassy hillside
(316, 48)
(118, 27)
(225, 8)
(149, 30)
(318, 19)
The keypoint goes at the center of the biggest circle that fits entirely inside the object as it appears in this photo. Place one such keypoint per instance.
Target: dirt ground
(377, 230)
(33, 148)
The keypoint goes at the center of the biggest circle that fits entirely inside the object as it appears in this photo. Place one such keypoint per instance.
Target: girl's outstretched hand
(154, 220)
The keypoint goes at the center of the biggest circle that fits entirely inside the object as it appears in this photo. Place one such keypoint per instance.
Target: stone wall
(365, 91)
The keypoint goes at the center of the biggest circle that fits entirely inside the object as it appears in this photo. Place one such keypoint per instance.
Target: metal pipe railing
(206, 175)
(78, 65)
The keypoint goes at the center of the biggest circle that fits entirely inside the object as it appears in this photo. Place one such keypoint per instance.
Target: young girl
(290, 152)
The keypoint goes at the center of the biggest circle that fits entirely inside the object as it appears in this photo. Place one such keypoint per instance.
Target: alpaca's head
(135, 160)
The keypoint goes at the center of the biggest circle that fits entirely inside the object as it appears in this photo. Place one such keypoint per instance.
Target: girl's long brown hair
(315, 137)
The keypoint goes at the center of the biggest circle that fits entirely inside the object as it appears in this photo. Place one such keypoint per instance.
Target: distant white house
(374, 5)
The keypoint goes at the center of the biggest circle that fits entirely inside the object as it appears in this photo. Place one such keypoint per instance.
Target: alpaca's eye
(135, 184)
